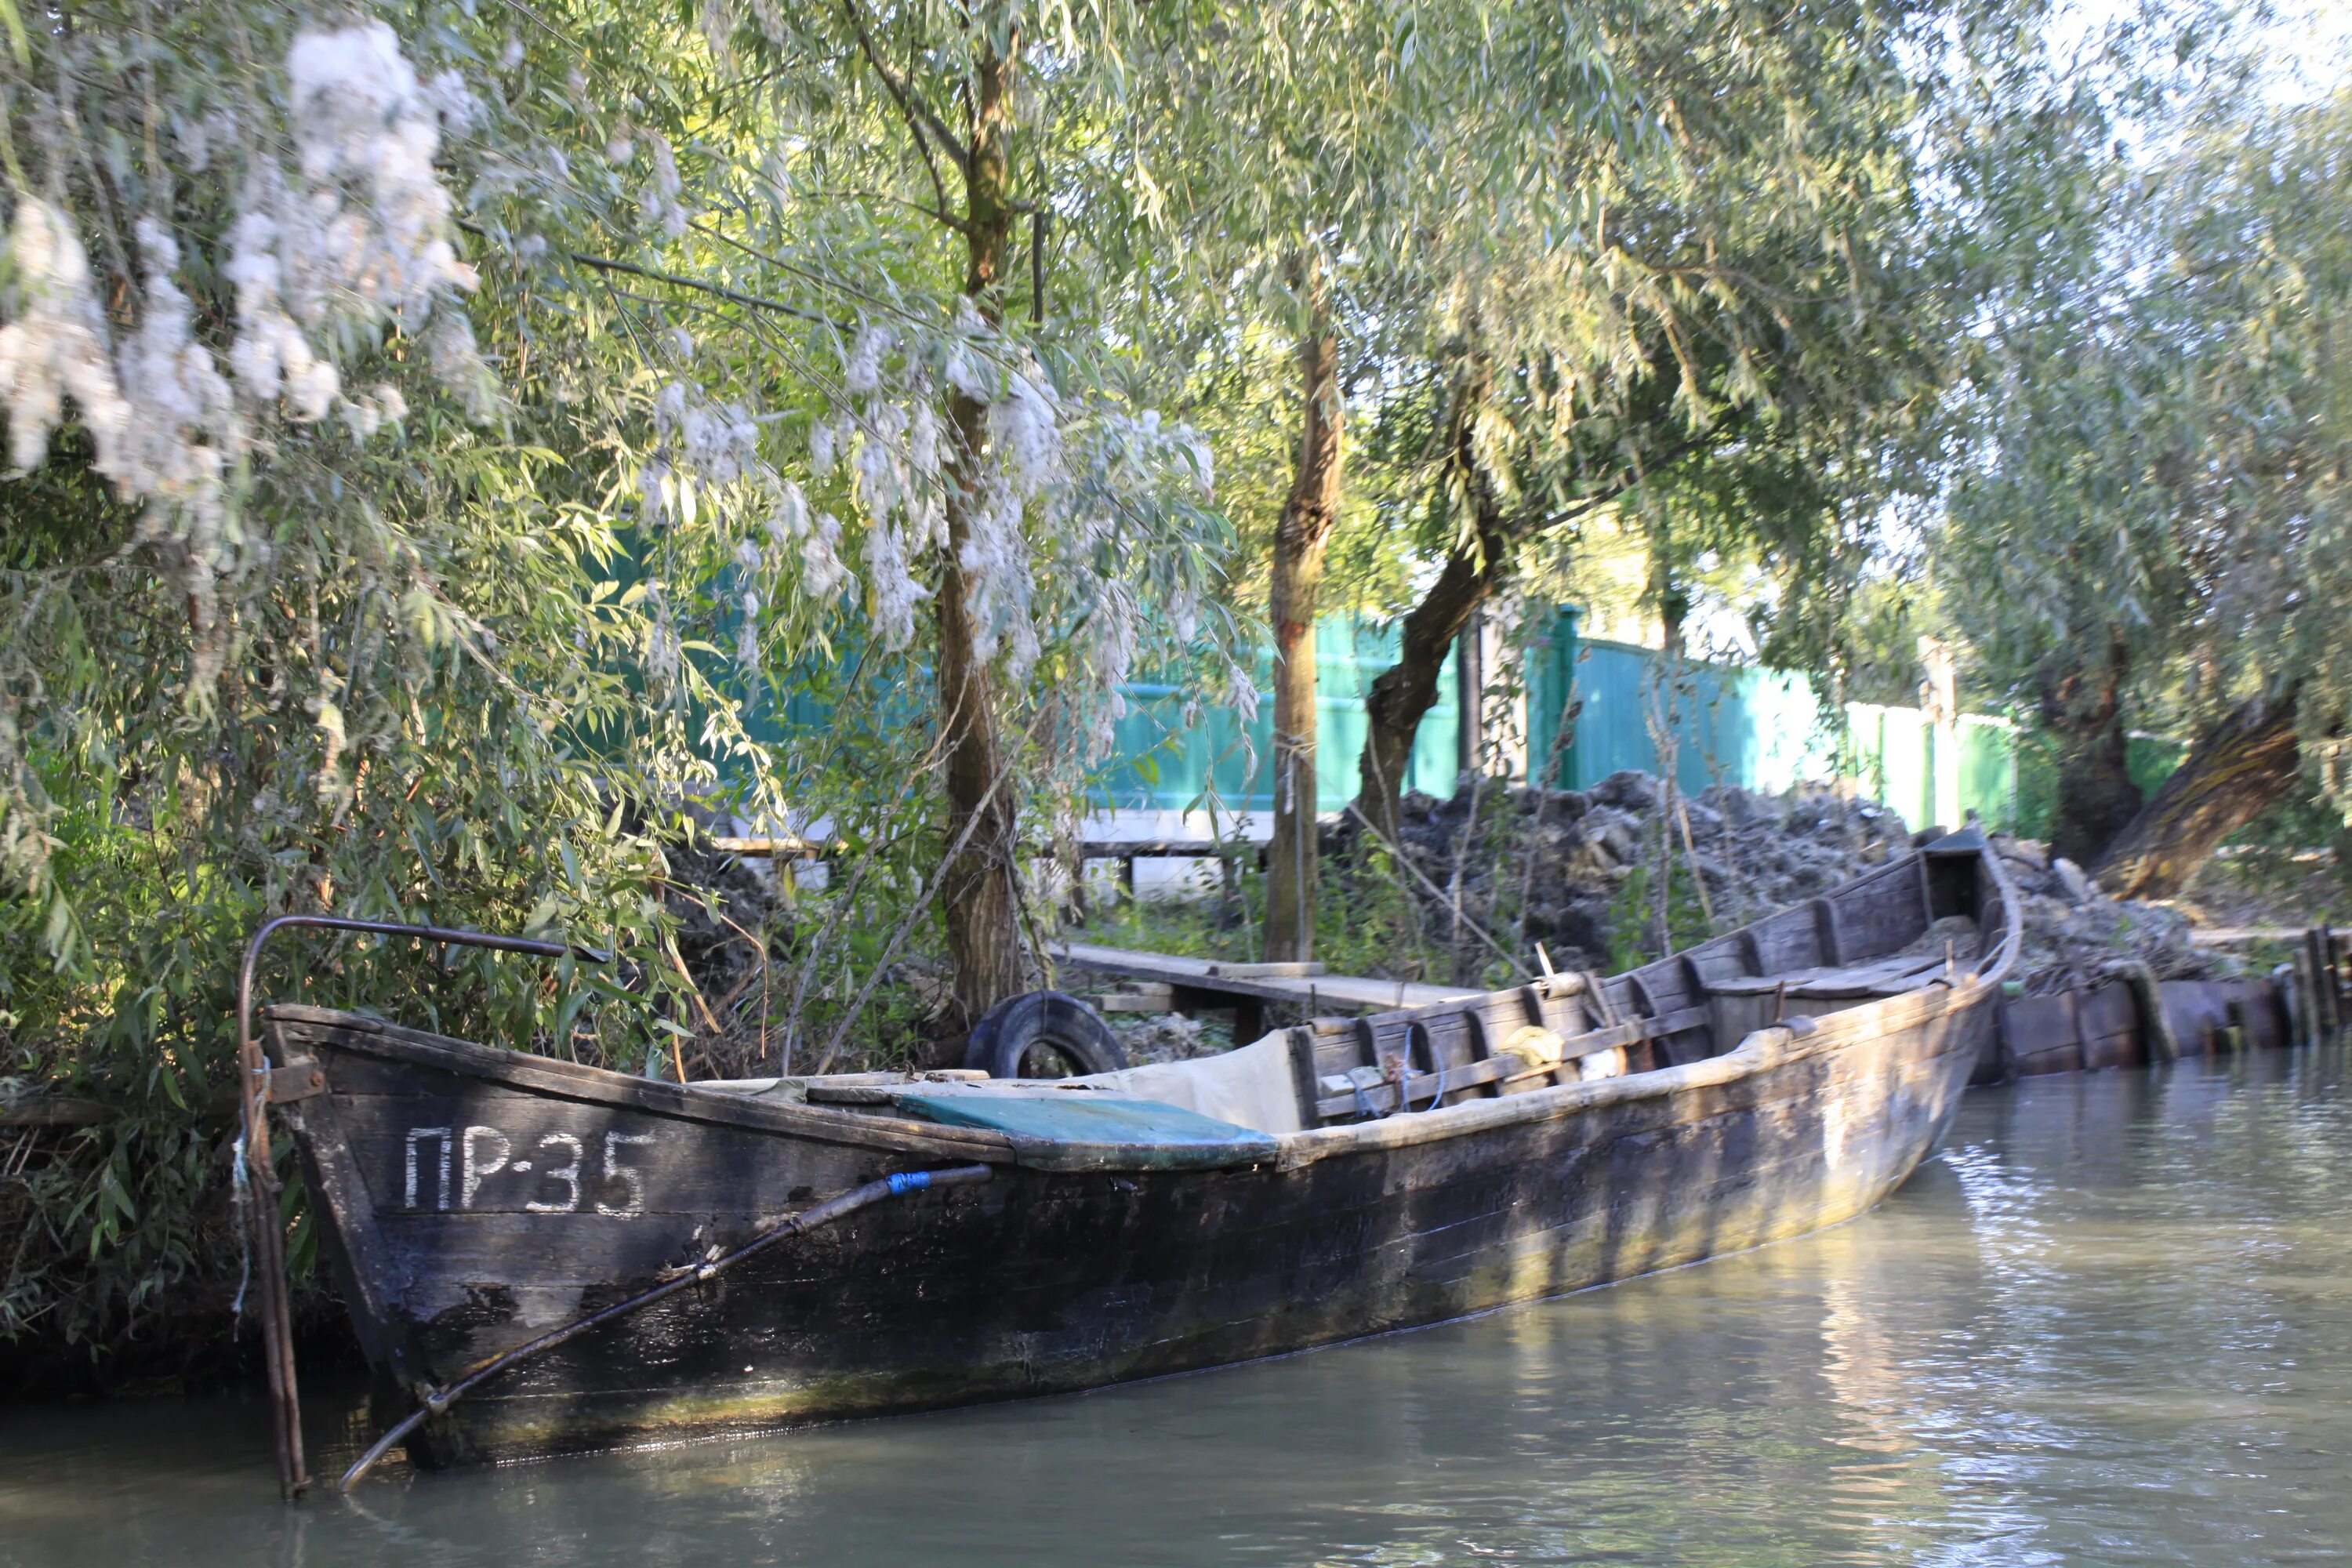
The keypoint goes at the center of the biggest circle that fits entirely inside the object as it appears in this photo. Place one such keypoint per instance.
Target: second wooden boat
(541, 1257)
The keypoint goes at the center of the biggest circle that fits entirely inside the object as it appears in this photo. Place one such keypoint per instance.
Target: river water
(2112, 1323)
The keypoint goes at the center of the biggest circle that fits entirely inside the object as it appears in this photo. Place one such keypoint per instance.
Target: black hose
(895, 1185)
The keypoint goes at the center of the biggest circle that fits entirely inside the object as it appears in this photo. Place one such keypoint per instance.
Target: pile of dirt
(2072, 931)
(1578, 870)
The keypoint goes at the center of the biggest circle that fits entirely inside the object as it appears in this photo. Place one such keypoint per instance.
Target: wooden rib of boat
(1336, 1179)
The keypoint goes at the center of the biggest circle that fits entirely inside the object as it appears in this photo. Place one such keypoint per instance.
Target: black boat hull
(473, 1198)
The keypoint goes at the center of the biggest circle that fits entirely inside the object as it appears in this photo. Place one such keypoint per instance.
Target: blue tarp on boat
(1183, 1139)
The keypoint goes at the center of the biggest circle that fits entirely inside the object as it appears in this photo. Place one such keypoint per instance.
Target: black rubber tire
(1042, 1029)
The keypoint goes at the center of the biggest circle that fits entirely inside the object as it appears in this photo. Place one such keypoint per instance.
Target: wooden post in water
(2306, 993)
(2319, 972)
(2331, 999)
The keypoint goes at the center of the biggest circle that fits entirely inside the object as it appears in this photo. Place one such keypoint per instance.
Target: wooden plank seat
(1886, 977)
(1370, 1090)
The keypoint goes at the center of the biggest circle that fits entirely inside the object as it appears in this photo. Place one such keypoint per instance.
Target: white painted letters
(481, 1152)
(417, 1135)
(475, 1171)
(615, 1170)
(568, 1177)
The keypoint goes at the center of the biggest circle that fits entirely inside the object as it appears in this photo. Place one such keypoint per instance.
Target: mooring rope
(897, 1184)
(241, 1196)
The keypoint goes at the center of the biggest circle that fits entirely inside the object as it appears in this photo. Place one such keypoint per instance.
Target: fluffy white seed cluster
(890, 436)
(162, 419)
(896, 592)
(660, 200)
(1241, 694)
(362, 231)
(359, 231)
(183, 424)
(718, 442)
(701, 444)
(272, 355)
(1047, 538)
(1122, 467)
(369, 226)
(818, 539)
(665, 652)
(747, 630)
(861, 367)
(356, 231)
(55, 344)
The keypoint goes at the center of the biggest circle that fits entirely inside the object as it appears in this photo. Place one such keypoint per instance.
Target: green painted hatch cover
(1093, 1131)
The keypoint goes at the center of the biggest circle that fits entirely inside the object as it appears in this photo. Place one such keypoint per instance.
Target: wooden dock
(1209, 984)
(2226, 936)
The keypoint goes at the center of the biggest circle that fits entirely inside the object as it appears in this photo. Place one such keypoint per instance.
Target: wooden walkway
(1207, 985)
(2223, 936)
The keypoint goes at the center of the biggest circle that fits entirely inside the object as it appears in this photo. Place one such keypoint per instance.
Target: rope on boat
(897, 1184)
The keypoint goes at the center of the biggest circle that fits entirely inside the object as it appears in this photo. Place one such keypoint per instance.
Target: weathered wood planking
(2090, 1027)
(475, 1199)
(2108, 1020)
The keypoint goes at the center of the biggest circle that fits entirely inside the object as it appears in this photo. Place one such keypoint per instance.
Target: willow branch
(924, 125)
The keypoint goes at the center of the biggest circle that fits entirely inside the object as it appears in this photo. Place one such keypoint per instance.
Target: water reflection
(2109, 1325)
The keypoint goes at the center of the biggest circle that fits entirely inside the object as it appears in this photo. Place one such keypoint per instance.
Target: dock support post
(2319, 972)
(2331, 947)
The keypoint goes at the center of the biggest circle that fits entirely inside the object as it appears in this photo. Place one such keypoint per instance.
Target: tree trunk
(1406, 690)
(2239, 768)
(1674, 610)
(978, 894)
(2081, 711)
(1298, 544)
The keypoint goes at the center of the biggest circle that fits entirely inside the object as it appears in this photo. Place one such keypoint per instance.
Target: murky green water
(2112, 1324)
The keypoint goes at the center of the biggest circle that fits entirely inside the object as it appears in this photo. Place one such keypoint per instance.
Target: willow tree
(1062, 531)
(429, 439)
(2152, 534)
(1744, 303)
(2056, 564)
(2251, 310)
(1314, 162)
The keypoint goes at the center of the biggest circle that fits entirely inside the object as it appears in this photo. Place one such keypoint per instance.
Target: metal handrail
(269, 1242)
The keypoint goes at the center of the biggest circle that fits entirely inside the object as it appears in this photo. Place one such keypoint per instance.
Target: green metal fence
(1165, 766)
(1763, 729)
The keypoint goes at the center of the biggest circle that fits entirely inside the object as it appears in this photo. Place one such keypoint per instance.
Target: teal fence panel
(1730, 724)
(1611, 732)
(1988, 771)
(1165, 766)
(2151, 760)
(1551, 673)
(1761, 729)
(1350, 655)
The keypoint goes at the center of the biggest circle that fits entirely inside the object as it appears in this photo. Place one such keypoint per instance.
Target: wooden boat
(1334, 1180)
